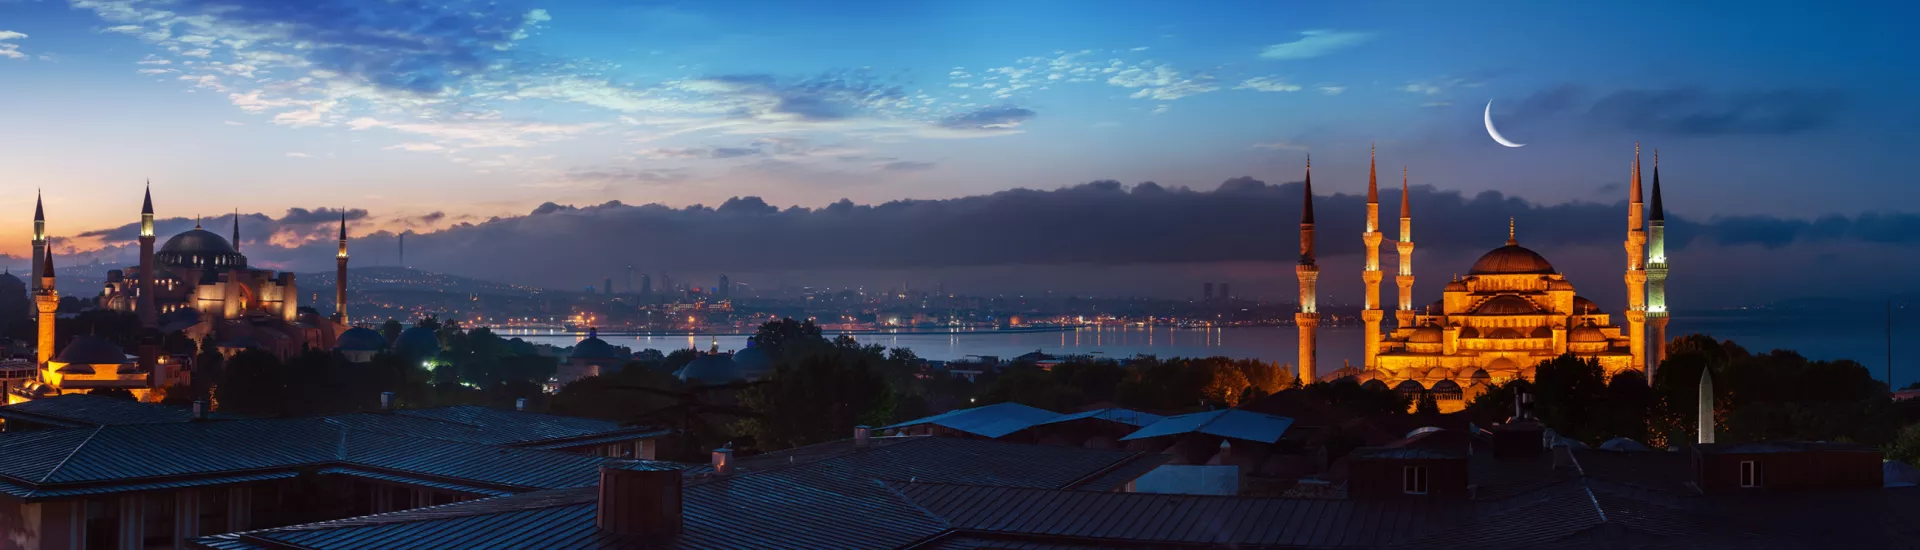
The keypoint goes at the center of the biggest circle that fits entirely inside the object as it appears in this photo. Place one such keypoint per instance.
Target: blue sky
(474, 110)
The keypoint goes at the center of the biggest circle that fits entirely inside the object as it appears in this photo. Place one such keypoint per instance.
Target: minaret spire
(236, 230)
(149, 315)
(39, 238)
(1403, 317)
(1511, 241)
(1371, 313)
(1308, 320)
(1657, 273)
(340, 274)
(1636, 277)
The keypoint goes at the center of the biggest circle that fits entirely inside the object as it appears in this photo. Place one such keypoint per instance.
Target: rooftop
(1229, 423)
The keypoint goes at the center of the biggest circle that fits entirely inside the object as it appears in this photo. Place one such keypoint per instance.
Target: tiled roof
(1228, 423)
(79, 409)
(989, 421)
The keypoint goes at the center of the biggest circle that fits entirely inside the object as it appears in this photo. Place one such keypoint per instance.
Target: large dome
(711, 368)
(417, 343)
(360, 339)
(1511, 259)
(594, 348)
(199, 248)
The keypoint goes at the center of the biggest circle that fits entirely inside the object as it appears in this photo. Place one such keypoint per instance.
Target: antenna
(1889, 345)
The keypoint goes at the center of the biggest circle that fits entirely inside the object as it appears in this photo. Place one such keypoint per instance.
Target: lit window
(1414, 480)
(1749, 474)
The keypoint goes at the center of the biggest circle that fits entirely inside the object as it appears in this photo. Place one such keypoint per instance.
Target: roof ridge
(75, 451)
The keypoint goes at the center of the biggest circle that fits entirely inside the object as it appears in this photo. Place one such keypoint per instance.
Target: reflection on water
(1858, 337)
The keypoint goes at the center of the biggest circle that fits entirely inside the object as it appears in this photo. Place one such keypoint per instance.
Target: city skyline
(1776, 151)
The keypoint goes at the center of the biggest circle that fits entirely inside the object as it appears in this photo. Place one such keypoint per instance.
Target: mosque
(198, 283)
(1511, 311)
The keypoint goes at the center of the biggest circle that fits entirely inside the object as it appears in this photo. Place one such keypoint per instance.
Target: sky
(870, 142)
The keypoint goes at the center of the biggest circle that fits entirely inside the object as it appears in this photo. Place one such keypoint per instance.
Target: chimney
(639, 498)
(199, 409)
(386, 401)
(520, 404)
(862, 437)
(1562, 455)
(723, 460)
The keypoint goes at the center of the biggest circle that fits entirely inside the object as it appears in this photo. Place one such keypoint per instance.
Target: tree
(1569, 393)
(820, 397)
(391, 330)
(1427, 406)
(254, 385)
(786, 339)
(116, 393)
(1906, 446)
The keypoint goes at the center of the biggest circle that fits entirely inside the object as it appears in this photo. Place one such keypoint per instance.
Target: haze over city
(876, 143)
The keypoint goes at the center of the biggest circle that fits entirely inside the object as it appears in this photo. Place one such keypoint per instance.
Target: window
(1414, 480)
(1749, 474)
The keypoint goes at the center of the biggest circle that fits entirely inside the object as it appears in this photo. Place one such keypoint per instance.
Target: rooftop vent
(639, 498)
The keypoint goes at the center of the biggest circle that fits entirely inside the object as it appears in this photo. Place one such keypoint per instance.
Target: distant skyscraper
(726, 288)
(646, 284)
(1206, 292)
(608, 289)
(629, 279)
(403, 250)
(1225, 292)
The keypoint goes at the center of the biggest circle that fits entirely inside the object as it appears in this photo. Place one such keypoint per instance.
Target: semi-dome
(1583, 306)
(199, 248)
(417, 343)
(1502, 364)
(1426, 335)
(90, 350)
(1511, 259)
(1540, 332)
(360, 339)
(1507, 304)
(711, 368)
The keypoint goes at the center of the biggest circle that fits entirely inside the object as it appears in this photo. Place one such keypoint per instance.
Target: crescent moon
(1496, 133)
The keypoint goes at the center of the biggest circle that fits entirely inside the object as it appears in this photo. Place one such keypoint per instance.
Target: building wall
(1385, 478)
(37, 525)
(1791, 471)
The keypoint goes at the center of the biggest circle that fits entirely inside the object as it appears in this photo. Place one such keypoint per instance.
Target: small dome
(711, 368)
(1507, 304)
(91, 350)
(1512, 259)
(1426, 335)
(1409, 386)
(753, 362)
(1440, 373)
(594, 348)
(1623, 445)
(1456, 286)
(1502, 364)
(1480, 374)
(1559, 284)
(1469, 332)
(1583, 306)
(1586, 333)
(360, 339)
(1446, 386)
(1374, 385)
(1541, 332)
(417, 343)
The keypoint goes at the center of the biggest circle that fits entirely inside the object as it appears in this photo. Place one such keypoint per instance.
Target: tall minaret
(46, 300)
(39, 239)
(1372, 314)
(1657, 273)
(1637, 271)
(1308, 320)
(236, 230)
(149, 317)
(1403, 317)
(340, 274)
(1705, 408)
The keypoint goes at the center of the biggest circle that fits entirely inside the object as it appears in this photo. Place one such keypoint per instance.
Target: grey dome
(594, 348)
(91, 350)
(9, 280)
(711, 368)
(417, 343)
(360, 339)
(753, 362)
(199, 248)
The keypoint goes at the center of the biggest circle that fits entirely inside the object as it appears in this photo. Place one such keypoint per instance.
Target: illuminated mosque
(198, 283)
(1511, 311)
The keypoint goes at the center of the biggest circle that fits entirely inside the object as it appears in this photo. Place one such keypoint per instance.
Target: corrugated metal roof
(602, 440)
(79, 409)
(378, 476)
(1229, 423)
(490, 426)
(168, 484)
(1124, 416)
(990, 421)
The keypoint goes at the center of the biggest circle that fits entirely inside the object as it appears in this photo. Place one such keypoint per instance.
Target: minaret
(1657, 273)
(149, 317)
(1403, 317)
(1308, 320)
(1637, 272)
(1706, 406)
(39, 239)
(1372, 314)
(46, 300)
(236, 230)
(340, 274)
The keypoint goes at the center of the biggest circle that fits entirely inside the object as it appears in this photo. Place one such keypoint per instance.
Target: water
(1856, 335)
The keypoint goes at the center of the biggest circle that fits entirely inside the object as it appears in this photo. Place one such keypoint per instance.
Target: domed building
(417, 344)
(360, 344)
(591, 357)
(90, 363)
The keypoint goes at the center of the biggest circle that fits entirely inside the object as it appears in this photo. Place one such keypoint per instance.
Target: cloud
(8, 49)
(621, 176)
(1438, 86)
(416, 147)
(299, 155)
(1003, 117)
(1689, 111)
(701, 153)
(906, 166)
(1316, 43)
(153, 60)
(1162, 82)
(1332, 90)
(1280, 146)
(1267, 84)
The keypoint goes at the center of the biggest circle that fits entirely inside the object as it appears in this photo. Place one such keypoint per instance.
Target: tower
(1372, 314)
(726, 288)
(236, 230)
(1637, 271)
(1657, 273)
(46, 300)
(1403, 317)
(149, 317)
(1206, 292)
(39, 240)
(1308, 320)
(1705, 407)
(340, 274)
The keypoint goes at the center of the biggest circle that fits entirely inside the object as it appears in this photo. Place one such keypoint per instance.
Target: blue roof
(1229, 423)
(991, 421)
(1129, 417)
(78, 409)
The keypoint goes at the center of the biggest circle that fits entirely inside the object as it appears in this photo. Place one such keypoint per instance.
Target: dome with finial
(594, 348)
(711, 368)
(199, 248)
(1511, 259)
